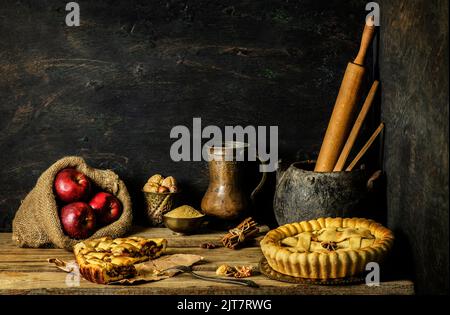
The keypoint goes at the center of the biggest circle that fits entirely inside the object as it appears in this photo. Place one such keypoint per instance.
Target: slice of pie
(326, 248)
(105, 260)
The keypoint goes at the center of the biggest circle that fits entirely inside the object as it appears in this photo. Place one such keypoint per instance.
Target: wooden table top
(26, 271)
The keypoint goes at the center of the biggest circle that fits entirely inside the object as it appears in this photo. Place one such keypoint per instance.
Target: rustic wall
(112, 89)
(414, 72)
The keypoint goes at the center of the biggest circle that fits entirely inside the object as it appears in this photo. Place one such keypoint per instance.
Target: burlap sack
(37, 223)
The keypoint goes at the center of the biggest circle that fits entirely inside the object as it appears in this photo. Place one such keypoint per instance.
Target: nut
(151, 187)
(173, 189)
(225, 270)
(169, 181)
(236, 271)
(162, 189)
(157, 179)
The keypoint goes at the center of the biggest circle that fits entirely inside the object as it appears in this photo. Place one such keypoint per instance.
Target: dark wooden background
(414, 72)
(112, 89)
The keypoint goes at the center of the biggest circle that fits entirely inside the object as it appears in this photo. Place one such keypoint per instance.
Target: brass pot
(225, 197)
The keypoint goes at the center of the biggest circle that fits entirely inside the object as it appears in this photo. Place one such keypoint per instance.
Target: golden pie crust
(326, 248)
(105, 260)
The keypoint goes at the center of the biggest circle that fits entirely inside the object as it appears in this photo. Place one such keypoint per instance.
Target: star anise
(243, 271)
(331, 246)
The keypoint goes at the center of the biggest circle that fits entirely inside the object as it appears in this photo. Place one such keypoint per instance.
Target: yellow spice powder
(184, 212)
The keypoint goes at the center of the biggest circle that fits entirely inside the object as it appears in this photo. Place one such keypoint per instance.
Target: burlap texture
(37, 223)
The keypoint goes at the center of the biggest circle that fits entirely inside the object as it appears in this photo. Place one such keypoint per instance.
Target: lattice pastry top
(105, 259)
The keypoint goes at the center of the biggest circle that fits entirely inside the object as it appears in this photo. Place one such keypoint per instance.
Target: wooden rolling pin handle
(367, 36)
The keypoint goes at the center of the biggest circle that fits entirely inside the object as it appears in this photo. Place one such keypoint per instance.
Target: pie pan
(266, 270)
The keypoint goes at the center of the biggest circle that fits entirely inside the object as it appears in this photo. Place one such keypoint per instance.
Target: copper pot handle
(261, 182)
(373, 179)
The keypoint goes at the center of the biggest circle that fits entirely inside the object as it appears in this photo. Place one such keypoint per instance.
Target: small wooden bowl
(183, 225)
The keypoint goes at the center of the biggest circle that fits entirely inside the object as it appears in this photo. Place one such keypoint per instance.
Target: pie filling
(122, 271)
(329, 239)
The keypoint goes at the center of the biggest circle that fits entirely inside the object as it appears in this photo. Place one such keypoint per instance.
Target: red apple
(107, 208)
(72, 185)
(78, 220)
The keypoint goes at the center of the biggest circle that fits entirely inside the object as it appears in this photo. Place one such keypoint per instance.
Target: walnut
(162, 189)
(173, 189)
(158, 184)
(151, 187)
(169, 181)
(225, 270)
(157, 179)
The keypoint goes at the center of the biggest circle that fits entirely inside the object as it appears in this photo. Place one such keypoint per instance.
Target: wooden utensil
(344, 107)
(365, 147)
(356, 128)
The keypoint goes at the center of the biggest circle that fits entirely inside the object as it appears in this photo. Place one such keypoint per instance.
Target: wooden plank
(173, 239)
(35, 259)
(30, 252)
(217, 254)
(55, 283)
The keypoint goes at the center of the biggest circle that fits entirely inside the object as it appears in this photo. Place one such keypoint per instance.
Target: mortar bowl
(302, 194)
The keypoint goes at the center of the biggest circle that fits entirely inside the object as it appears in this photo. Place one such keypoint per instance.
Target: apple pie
(326, 248)
(105, 260)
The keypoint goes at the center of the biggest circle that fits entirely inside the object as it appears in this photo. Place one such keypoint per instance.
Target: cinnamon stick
(245, 230)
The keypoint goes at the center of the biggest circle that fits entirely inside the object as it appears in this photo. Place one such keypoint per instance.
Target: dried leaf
(66, 266)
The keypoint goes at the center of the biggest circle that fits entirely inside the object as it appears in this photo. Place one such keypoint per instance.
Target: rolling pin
(356, 128)
(345, 105)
